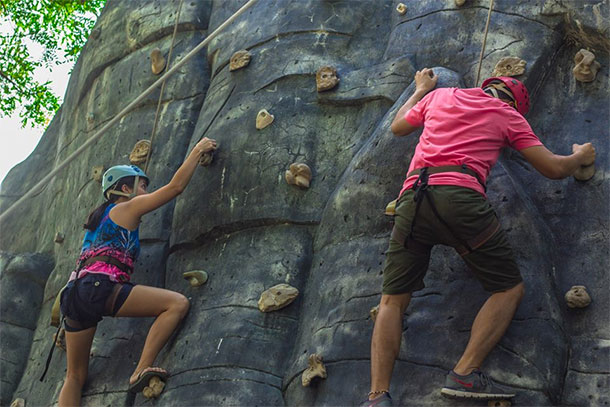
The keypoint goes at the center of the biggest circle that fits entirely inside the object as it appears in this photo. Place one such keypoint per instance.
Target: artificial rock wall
(246, 227)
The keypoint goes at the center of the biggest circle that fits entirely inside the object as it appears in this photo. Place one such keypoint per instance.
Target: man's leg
(385, 345)
(488, 328)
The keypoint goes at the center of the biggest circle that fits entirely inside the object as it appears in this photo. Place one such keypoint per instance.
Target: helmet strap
(493, 88)
(121, 193)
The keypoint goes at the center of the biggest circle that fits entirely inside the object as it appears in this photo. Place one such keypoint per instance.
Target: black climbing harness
(106, 259)
(420, 187)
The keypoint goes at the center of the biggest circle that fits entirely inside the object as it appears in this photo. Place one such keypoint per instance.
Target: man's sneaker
(382, 401)
(476, 385)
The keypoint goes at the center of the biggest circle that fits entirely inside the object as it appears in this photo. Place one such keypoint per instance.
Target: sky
(16, 144)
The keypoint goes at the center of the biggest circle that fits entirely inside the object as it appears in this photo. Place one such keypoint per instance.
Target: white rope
(491, 6)
(123, 112)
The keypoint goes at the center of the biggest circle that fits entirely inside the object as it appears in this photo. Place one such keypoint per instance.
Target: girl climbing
(100, 285)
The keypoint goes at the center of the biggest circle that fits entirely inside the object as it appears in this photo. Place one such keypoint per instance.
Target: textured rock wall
(246, 227)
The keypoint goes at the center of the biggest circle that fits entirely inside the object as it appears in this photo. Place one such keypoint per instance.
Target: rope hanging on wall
(36, 188)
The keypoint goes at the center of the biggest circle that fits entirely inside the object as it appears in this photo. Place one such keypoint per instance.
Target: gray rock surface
(241, 222)
(22, 281)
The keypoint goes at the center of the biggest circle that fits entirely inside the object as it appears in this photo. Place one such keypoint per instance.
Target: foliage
(59, 27)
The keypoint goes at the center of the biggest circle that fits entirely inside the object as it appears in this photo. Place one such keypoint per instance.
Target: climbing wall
(305, 92)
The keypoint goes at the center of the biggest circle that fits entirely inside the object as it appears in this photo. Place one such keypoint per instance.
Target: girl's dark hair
(95, 217)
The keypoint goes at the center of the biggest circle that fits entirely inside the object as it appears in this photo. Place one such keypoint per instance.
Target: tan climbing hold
(586, 66)
(157, 61)
(263, 119)
(585, 173)
(59, 237)
(401, 8)
(578, 297)
(60, 339)
(90, 118)
(196, 277)
(509, 66)
(277, 297)
(239, 60)
(299, 174)
(326, 78)
(18, 403)
(498, 403)
(206, 159)
(373, 313)
(154, 388)
(97, 173)
(460, 3)
(390, 208)
(140, 152)
(316, 369)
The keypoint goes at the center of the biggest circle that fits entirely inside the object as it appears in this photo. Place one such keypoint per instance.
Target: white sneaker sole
(471, 395)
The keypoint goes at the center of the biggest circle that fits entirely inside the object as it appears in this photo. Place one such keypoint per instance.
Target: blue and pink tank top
(109, 239)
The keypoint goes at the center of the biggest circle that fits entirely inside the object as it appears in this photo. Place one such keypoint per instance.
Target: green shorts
(467, 213)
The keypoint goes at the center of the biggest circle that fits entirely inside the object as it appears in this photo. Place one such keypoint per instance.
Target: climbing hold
(578, 297)
(586, 66)
(97, 173)
(18, 403)
(206, 159)
(60, 339)
(154, 388)
(157, 61)
(95, 33)
(401, 8)
(299, 174)
(509, 66)
(326, 78)
(460, 3)
(585, 172)
(390, 208)
(498, 403)
(277, 297)
(316, 369)
(196, 277)
(90, 118)
(59, 237)
(239, 60)
(263, 119)
(373, 312)
(140, 152)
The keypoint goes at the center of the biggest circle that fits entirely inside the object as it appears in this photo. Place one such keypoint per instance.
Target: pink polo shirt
(464, 126)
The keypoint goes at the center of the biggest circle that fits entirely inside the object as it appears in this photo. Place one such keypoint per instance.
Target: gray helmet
(114, 174)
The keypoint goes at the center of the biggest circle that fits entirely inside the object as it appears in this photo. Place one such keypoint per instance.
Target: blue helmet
(114, 174)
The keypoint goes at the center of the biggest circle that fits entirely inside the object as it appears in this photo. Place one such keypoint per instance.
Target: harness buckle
(421, 184)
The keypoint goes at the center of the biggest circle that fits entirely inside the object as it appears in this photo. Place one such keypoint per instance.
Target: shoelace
(485, 380)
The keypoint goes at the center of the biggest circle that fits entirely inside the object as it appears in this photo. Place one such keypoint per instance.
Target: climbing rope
(491, 6)
(123, 112)
(169, 58)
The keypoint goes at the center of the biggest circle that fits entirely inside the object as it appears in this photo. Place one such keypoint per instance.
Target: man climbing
(443, 202)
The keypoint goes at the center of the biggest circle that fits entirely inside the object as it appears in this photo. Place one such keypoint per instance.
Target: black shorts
(86, 300)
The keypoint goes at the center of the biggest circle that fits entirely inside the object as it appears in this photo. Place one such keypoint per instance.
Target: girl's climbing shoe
(143, 379)
(476, 385)
(384, 400)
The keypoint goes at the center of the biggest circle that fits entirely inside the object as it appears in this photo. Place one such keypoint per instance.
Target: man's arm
(425, 81)
(555, 166)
